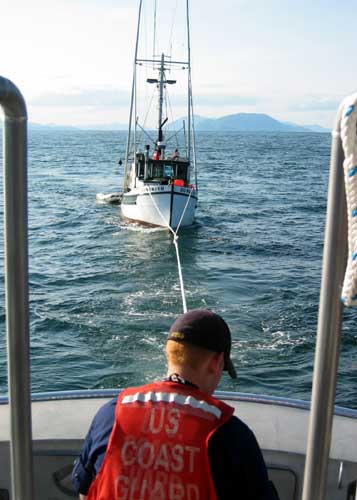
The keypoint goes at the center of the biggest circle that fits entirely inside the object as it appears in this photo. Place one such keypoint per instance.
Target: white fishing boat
(160, 176)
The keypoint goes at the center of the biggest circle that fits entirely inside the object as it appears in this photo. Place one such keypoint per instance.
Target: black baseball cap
(203, 328)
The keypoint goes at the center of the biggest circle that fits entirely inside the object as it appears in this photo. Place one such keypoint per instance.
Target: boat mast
(188, 85)
(191, 128)
(161, 97)
(133, 98)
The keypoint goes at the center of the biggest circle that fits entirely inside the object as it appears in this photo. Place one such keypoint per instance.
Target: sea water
(103, 292)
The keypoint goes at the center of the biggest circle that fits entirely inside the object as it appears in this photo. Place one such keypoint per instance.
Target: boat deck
(61, 420)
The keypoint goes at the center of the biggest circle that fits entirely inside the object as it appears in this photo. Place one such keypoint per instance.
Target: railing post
(329, 329)
(16, 286)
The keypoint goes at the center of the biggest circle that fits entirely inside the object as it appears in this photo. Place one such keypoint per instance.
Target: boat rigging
(158, 189)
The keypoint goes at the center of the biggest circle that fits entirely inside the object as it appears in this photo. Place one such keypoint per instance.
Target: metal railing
(16, 286)
(329, 328)
(243, 397)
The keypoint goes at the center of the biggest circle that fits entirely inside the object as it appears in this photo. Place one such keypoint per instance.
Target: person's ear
(221, 361)
(216, 362)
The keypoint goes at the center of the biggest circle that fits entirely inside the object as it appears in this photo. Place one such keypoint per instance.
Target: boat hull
(160, 205)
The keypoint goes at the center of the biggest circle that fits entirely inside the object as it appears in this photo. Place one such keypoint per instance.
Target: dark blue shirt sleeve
(87, 465)
(237, 464)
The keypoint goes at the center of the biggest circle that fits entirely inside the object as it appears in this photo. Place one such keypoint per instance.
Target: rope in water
(349, 144)
(175, 238)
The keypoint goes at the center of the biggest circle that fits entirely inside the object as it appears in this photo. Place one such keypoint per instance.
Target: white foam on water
(137, 228)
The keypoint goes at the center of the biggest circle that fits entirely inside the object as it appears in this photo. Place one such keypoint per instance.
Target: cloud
(226, 100)
(314, 103)
(99, 98)
(217, 100)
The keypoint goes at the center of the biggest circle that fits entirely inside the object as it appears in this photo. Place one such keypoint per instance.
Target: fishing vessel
(160, 174)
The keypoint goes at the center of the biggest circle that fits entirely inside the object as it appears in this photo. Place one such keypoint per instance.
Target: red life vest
(158, 448)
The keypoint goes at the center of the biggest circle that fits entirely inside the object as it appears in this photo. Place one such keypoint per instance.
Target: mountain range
(249, 122)
(239, 122)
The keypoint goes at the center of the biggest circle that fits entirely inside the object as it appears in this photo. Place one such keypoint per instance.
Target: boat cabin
(163, 171)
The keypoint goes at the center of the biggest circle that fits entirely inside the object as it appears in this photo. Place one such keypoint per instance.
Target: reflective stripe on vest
(172, 397)
(158, 449)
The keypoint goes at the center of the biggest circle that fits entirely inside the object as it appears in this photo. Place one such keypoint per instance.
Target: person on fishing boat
(172, 439)
(156, 154)
(175, 155)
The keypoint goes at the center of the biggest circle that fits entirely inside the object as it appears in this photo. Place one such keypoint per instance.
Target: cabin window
(164, 170)
(156, 171)
(181, 172)
(168, 171)
(140, 169)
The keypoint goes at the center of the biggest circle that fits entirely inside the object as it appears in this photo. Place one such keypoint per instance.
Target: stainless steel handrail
(329, 328)
(16, 285)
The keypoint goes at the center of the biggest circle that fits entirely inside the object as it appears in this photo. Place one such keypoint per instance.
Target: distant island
(239, 122)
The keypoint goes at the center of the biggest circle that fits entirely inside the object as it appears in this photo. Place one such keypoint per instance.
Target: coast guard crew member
(172, 440)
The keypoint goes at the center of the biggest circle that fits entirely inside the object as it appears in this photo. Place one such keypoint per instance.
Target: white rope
(175, 238)
(184, 210)
(184, 305)
(349, 143)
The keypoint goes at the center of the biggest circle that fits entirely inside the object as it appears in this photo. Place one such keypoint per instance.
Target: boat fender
(179, 182)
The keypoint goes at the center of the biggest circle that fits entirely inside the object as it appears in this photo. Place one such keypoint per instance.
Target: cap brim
(228, 366)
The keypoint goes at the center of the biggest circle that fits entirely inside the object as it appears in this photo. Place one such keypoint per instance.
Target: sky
(73, 59)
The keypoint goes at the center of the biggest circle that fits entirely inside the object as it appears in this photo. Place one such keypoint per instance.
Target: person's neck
(192, 376)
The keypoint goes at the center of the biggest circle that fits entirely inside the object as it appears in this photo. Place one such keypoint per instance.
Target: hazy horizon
(124, 126)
